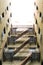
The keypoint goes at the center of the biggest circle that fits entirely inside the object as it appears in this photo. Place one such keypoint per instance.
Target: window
(34, 14)
(39, 30)
(0, 18)
(8, 20)
(10, 14)
(40, 14)
(7, 8)
(3, 14)
(9, 33)
(34, 3)
(36, 21)
(36, 7)
(4, 30)
(10, 3)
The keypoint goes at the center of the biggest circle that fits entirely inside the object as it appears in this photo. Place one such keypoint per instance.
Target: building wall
(38, 15)
(4, 22)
